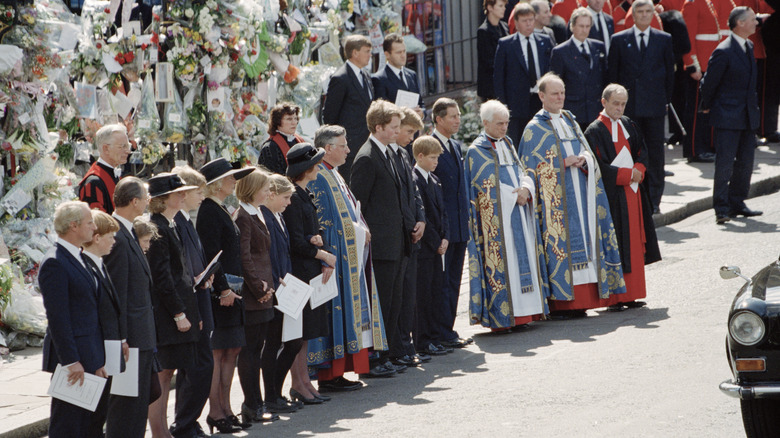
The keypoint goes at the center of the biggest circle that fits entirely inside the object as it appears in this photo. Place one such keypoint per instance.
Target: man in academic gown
(505, 280)
(97, 186)
(622, 157)
(580, 246)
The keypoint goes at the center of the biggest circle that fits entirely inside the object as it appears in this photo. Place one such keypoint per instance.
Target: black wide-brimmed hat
(302, 157)
(219, 168)
(167, 183)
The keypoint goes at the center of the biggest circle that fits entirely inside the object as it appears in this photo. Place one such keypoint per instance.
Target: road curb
(758, 188)
(35, 429)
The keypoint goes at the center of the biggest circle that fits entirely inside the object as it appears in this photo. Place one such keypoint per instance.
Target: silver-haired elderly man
(97, 187)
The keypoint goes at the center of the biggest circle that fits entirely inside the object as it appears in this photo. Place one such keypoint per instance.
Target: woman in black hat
(218, 232)
(308, 260)
(175, 306)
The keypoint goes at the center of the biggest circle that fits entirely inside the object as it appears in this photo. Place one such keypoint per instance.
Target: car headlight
(747, 328)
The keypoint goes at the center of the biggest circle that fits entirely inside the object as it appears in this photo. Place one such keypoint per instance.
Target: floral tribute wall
(191, 79)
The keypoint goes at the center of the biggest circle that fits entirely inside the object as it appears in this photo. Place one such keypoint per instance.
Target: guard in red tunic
(97, 187)
(622, 157)
(768, 80)
(707, 22)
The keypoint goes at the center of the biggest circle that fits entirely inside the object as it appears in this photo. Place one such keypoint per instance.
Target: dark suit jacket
(255, 259)
(302, 224)
(511, 77)
(411, 202)
(217, 232)
(280, 247)
(108, 307)
(197, 260)
(728, 89)
(386, 84)
(649, 78)
(487, 41)
(599, 34)
(379, 193)
(173, 291)
(584, 78)
(450, 172)
(600, 141)
(70, 296)
(346, 104)
(549, 33)
(436, 225)
(132, 280)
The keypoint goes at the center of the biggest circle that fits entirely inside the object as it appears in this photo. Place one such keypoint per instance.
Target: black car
(753, 350)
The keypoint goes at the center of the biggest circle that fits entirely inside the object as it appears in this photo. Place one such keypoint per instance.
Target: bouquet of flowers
(175, 121)
(146, 117)
(470, 123)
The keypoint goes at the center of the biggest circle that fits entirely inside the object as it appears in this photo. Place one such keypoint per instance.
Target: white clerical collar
(251, 209)
(117, 170)
(565, 132)
(397, 71)
(357, 70)
(382, 146)
(422, 171)
(96, 259)
(123, 221)
(741, 41)
(289, 137)
(74, 250)
(614, 130)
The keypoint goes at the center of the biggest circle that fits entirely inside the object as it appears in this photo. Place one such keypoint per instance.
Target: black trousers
(697, 125)
(127, 415)
(192, 388)
(768, 92)
(406, 322)
(446, 311)
(389, 276)
(733, 167)
(250, 362)
(430, 295)
(652, 129)
(70, 421)
(276, 364)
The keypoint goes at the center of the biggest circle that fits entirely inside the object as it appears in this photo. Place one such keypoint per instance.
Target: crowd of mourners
(552, 202)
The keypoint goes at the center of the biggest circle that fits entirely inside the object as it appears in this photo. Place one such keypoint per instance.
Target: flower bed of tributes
(196, 83)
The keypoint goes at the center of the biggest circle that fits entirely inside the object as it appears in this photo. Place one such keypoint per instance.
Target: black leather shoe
(706, 157)
(280, 406)
(721, 219)
(380, 371)
(616, 308)
(339, 384)
(402, 361)
(444, 349)
(423, 357)
(325, 398)
(398, 368)
(267, 416)
(199, 432)
(746, 212)
(433, 350)
(773, 138)
(656, 210)
(236, 422)
(455, 343)
(635, 304)
(668, 173)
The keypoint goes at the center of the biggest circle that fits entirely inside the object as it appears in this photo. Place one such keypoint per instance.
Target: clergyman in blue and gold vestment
(355, 315)
(506, 283)
(580, 245)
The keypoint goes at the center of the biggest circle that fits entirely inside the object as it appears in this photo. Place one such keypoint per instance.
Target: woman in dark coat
(252, 191)
(276, 365)
(489, 32)
(217, 233)
(308, 260)
(282, 124)
(175, 305)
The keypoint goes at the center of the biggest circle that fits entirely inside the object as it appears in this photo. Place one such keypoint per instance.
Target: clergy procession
(548, 213)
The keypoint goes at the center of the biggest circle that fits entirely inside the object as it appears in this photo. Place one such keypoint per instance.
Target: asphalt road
(650, 372)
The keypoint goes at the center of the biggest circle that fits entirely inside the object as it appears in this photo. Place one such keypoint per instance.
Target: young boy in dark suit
(430, 274)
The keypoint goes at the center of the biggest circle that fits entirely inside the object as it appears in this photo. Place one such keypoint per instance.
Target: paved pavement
(24, 405)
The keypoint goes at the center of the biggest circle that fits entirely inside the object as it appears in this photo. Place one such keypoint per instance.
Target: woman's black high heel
(222, 425)
(238, 423)
(295, 395)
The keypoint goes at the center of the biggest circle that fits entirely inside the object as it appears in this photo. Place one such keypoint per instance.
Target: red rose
(129, 56)
(155, 38)
(229, 12)
(144, 46)
(107, 10)
(313, 38)
(234, 56)
(156, 17)
(9, 14)
(119, 58)
(99, 45)
(254, 52)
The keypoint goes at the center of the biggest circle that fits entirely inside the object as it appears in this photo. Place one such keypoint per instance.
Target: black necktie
(597, 23)
(531, 64)
(642, 45)
(391, 159)
(365, 85)
(91, 268)
(401, 77)
(584, 53)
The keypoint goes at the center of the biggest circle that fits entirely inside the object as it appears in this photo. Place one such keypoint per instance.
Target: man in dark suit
(603, 25)
(450, 172)
(349, 95)
(543, 18)
(395, 76)
(70, 296)
(376, 184)
(414, 225)
(521, 59)
(641, 59)
(132, 278)
(97, 186)
(582, 64)
(728, 91)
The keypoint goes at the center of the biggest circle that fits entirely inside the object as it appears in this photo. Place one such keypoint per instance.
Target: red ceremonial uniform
(564, 8)
(708, 25)
(655, 24)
